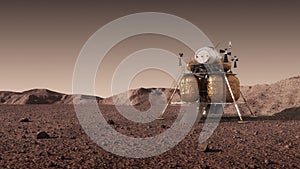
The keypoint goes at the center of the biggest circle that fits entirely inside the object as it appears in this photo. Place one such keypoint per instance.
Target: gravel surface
(262, 142)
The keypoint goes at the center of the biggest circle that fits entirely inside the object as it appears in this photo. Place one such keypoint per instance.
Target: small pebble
(203, 147)
(163, 126)
(24, 120)
(111, 122)
(42, 135)
(267, 161)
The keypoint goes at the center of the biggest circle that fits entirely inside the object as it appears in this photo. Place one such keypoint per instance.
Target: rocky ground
(49, 136)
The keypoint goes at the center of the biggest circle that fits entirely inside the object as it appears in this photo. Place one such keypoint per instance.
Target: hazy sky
(40, 40)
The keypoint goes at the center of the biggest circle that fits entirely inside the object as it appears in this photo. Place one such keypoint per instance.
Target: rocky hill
(268, 99)
(265, 99)
(42, 96)
(140, 96)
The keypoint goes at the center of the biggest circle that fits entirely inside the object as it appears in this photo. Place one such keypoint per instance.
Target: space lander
(209, 78)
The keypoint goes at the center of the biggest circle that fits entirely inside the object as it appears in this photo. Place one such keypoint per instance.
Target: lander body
(209, 79)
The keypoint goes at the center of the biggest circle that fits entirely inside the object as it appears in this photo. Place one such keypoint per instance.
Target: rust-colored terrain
(39, 129)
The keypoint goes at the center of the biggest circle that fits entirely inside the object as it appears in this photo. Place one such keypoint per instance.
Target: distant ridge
(140, 96)
(268, 99)
(42, 96)
(264, 99)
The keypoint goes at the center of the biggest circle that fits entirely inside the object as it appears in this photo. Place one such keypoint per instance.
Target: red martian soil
(39, 129)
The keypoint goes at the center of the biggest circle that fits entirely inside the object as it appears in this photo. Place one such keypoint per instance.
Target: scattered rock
(49, 153)
(203, 147)
(290, 145)
(252, 166)
(111, 122)
(24, 120)
(267, 161)
(42, 135)
(53, 164)
(164, 126)
(236, 137)
(177, 165)
(64, 158)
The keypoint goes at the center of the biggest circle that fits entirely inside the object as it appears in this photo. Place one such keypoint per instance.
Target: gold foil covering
(189, 65)
(215, 86)
(235, 87)
(189, 90)
(226, 66)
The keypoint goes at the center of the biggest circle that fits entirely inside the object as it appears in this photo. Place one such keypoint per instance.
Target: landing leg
(202, 111)
(169, 102)
(232, 96)
(177, 83)
(253, 114)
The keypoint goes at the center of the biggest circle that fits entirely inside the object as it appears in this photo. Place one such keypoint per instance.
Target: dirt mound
(263, 99)
(34, 96)
(44, 96)
(270, 99)
(6, 95)
(140, 96)
(79, 99)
